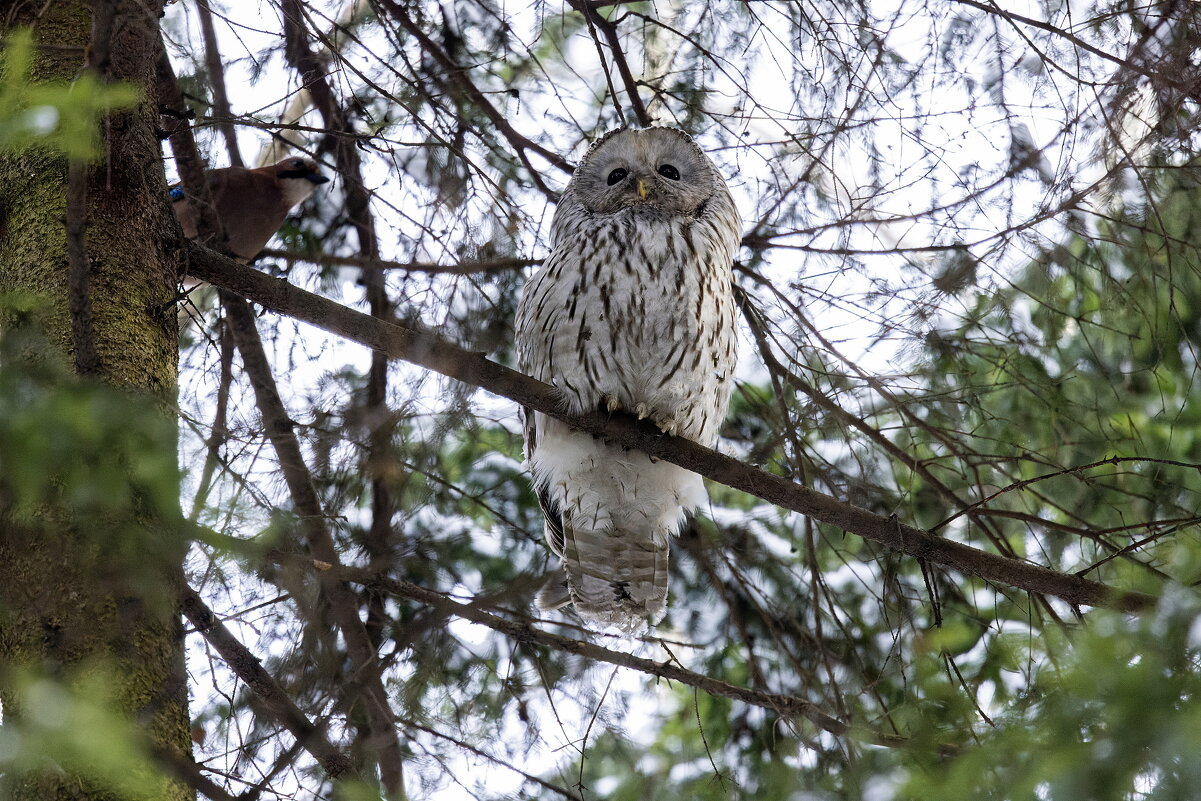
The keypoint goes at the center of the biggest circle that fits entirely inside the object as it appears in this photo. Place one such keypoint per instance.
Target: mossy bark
(71, 605)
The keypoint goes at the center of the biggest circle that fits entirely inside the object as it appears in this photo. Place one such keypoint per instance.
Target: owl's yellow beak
(643, 190)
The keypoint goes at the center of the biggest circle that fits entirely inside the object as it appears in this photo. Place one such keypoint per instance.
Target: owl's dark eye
(669, 171)
(617, 176)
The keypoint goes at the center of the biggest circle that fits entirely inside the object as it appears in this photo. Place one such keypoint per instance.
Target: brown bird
(251, 203)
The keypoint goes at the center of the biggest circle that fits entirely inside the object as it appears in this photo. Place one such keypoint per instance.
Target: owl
(632, 310)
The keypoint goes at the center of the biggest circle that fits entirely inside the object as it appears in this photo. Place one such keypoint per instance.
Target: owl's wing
(550, 509)
(554, 521)
(554, 594)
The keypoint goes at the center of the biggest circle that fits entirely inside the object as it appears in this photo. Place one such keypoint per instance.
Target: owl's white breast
(636, 306)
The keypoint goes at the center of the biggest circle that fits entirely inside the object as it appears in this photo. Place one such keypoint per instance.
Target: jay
(252, 203)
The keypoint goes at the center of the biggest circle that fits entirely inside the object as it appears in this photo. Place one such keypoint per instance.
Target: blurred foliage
(74, 728)
(78, 478)
(1117, 719)
(52, 114)
(69, 456)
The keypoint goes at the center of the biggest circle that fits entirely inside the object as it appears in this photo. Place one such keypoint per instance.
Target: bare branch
(342, 602)
(379, 731)
(188, 163)
(554, 788)
(431, 268)
(340, 599)
(273, 698)
(1012, 17)
(187, 770)
(457, 75)
(222, 116)
(523, 632)
(609, 30)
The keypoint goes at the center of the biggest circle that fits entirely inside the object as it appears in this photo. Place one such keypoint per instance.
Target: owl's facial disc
(656, 167)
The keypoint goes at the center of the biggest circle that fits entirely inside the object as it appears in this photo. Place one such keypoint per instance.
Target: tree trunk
(94, 601)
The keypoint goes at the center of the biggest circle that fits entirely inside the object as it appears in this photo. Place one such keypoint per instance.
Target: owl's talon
(668, 427)
(612, 404)
(642, 410)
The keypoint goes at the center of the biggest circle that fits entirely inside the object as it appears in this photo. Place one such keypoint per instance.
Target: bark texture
(77, 600)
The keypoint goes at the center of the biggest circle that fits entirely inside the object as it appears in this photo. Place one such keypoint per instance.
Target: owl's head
(656, 167)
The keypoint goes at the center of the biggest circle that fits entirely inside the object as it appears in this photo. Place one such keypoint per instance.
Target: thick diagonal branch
(342, 601)
(270, 696)
(433, 353)
(379, 542)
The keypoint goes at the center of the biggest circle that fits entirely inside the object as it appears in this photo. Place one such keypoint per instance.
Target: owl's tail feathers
(616, 578)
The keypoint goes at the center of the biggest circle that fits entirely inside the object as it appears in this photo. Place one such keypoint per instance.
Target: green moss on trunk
(72, 603)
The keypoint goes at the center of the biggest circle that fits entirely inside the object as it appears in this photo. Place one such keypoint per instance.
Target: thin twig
(529, 777)
(457, 75)
(1067, 471)
(609, 30)
(523, 632)
(991, 8)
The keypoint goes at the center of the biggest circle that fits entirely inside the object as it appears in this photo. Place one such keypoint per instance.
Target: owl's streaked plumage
(633, 309)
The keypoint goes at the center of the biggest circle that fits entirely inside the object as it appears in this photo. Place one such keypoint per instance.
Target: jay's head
(298, 177)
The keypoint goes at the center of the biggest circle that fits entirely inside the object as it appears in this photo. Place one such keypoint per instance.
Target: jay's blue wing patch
(177, 193)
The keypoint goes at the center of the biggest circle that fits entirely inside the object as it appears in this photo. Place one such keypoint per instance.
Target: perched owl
(632, 310)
